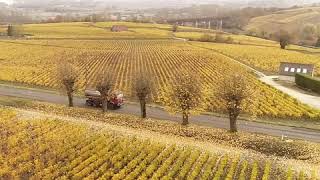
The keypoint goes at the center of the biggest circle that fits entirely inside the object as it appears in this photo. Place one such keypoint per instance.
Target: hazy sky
(6, 1)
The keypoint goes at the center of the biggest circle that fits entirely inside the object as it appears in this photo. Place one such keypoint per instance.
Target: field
(237, 39)
(56, 149)
(95, 31)
(263, 58)
(289, 20)
(249, 40)
(32, 62)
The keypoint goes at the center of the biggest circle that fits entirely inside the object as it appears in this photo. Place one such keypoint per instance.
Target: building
(119, 28)
(290, 69)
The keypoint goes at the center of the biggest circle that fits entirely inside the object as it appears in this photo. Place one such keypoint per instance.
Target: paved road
(313, 101)
(158, 113)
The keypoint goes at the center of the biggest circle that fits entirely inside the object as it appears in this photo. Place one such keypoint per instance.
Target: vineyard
(95, 31)
(264, 58)
(247, 40)
(237, 39)
(33, 62)
(54, 149)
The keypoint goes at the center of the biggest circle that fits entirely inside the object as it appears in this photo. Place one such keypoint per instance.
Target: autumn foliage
(67, 77)
(237, 95)
(55, 149)
(105, 83)
(183, 96)
(143, 86)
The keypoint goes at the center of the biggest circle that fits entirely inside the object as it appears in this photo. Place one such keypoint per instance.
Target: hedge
(308, 82)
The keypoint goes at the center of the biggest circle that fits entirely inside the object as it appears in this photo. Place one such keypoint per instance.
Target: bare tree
(14, 30)
(105, 83)
(237, 94)
(10, 30)
(175, 28)
(184, 96)
(318, 42)
(142, 87)
(67, 78)
(284, 39)
(309, 31)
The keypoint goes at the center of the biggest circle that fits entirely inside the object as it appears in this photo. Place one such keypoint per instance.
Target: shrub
(218, 38)
(207, 38)
(308, 82)
(222, 39)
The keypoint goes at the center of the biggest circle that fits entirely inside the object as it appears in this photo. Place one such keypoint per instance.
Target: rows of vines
(52, 149)
(264, 58)
(33, 62)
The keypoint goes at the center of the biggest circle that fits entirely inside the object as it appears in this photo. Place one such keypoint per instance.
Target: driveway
(313, 101)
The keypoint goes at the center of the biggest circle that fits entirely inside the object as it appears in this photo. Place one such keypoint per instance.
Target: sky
(6, 1)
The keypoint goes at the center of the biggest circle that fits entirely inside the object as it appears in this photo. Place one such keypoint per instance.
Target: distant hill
(295, 21)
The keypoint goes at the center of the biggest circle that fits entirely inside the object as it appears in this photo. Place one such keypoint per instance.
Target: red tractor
(94, 99)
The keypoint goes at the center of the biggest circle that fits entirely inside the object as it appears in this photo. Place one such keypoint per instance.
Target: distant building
(119, 28)
(291, 69)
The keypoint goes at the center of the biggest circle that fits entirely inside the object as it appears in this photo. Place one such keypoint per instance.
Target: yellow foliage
(54, 149)
(33, 62)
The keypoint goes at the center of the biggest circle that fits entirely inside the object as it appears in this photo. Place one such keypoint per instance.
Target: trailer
(94, 99)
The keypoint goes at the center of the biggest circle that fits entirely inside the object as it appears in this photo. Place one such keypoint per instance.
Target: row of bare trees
(185, 95)
(142, 85)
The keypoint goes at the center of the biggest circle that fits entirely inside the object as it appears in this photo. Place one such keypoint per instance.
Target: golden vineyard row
(263, 57)
(33, 62)
(53, 149)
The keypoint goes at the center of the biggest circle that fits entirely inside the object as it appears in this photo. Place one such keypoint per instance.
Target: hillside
(42, 145)
(293, 21)
(37, 58)
(93, 48)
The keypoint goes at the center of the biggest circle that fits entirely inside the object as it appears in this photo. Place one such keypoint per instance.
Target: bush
(308, 82)
(207, 38)
(218, 38)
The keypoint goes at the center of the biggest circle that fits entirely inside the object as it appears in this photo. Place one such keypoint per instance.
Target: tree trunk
(233, 123)
(283, 46)
(143, 108)
(104, 105)
(70, 99)
(185, 118)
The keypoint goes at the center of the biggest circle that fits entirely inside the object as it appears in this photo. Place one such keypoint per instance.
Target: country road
(159, 113)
